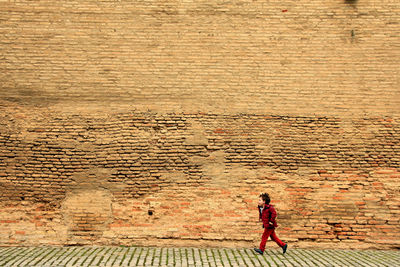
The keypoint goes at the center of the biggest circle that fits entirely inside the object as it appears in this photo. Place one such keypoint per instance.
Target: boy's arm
(273, 217)
(259, 213)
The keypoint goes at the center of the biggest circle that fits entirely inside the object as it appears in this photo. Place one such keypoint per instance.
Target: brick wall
(160, 122)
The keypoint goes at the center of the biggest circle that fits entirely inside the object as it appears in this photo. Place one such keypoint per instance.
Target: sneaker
(284, 248)
(259, 251)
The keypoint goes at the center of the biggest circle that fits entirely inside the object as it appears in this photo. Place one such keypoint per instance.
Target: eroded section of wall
(145, 178)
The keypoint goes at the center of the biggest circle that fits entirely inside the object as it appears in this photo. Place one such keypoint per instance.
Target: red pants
(267, 233)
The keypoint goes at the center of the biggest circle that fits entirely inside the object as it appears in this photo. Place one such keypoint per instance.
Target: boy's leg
(264, 238)
(276, 239)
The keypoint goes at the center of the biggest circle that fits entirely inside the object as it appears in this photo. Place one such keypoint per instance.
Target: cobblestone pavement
(141, 256)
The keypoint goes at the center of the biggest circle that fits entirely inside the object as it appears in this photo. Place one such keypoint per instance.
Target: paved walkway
(140, 256)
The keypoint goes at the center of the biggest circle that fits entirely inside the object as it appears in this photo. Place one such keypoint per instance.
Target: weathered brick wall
(160, 122)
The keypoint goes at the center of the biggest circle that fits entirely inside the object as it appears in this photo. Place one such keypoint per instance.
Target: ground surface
(141, 256)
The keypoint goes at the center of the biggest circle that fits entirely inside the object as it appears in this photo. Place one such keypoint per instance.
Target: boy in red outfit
(267, 216)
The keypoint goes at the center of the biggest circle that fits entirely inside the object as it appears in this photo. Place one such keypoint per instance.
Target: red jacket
(268, 214)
